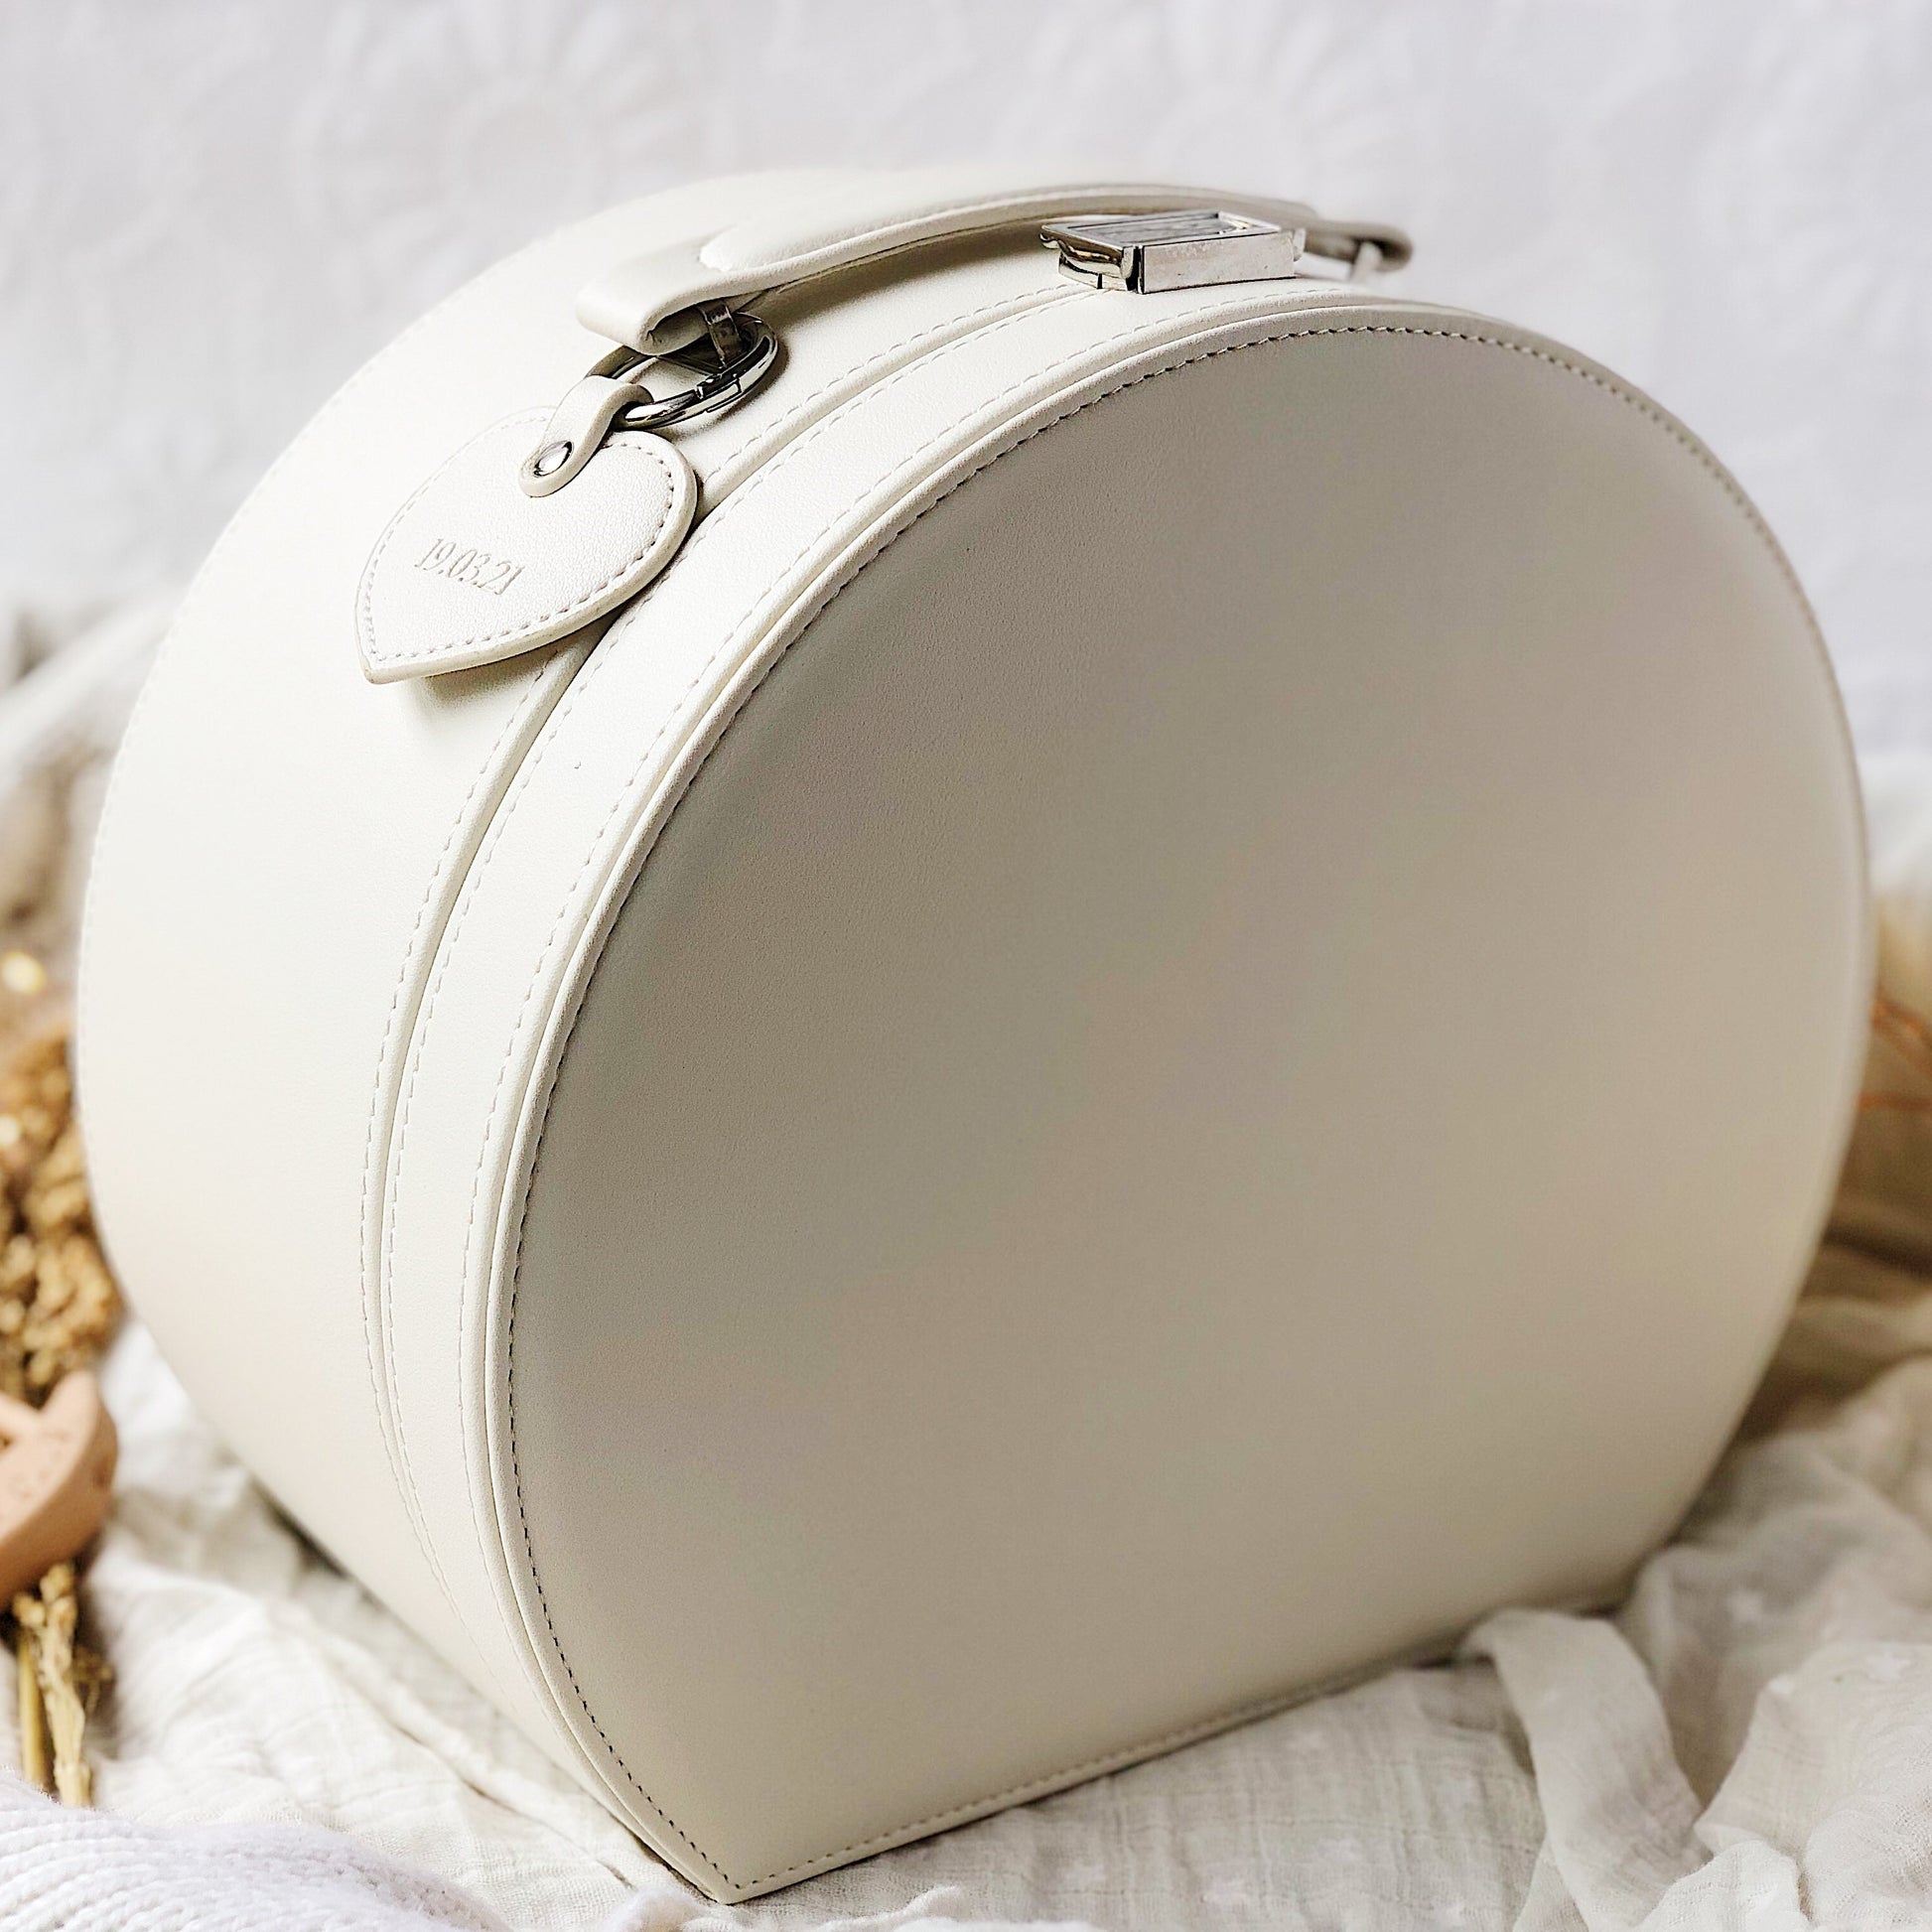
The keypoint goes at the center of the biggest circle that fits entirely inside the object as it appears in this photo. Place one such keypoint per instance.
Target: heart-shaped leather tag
(472, 569)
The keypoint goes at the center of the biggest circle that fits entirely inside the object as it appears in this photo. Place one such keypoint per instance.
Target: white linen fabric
(1747, 1741)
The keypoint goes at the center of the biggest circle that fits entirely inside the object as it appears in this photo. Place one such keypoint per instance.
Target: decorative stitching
(1169, 1739)
(372, 1279)
(1030, 300)
(654, 447)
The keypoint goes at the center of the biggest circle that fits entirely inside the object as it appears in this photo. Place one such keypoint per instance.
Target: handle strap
(652, 301)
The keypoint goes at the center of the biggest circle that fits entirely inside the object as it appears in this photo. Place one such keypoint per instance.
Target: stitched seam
(1028, 300)
(449, 947)
(372, 1282)
(1240, 1714)
(654, 449)
(747, 491)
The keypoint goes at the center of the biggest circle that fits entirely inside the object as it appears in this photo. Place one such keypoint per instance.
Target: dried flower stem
(49, 1620)
(32, 1714)
(58, 1307)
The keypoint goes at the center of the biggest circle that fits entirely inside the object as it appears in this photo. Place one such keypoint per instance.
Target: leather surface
(1111, 1170)
(472, 570)
(1325, 883)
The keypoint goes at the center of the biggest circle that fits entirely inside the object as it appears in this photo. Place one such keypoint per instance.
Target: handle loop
(655, 303)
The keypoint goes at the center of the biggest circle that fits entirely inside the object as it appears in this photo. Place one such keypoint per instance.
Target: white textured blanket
(1747, 1741)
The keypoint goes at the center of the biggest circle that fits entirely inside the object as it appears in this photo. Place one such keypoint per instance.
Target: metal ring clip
(735, 354)
(731, 359)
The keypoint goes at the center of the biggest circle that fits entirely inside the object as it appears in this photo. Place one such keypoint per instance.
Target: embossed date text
(469, 565)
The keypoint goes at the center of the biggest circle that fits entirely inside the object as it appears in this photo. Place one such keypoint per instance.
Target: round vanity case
(1003, 1001)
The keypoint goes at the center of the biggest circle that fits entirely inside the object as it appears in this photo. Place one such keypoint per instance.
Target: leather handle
(652, 301)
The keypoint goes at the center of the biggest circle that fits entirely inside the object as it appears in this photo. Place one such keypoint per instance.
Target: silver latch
(1200, 247)
(1191, 250)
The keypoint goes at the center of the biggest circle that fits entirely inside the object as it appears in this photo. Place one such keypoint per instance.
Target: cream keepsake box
(943, 1007)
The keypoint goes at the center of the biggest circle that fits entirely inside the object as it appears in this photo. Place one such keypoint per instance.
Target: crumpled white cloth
(88, 1871)
(1747, 1742)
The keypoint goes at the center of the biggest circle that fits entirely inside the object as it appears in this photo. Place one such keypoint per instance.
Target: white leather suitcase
(1127, 977)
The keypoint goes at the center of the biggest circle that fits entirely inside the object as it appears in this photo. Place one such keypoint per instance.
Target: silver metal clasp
(733, 355)
(1201, 247)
